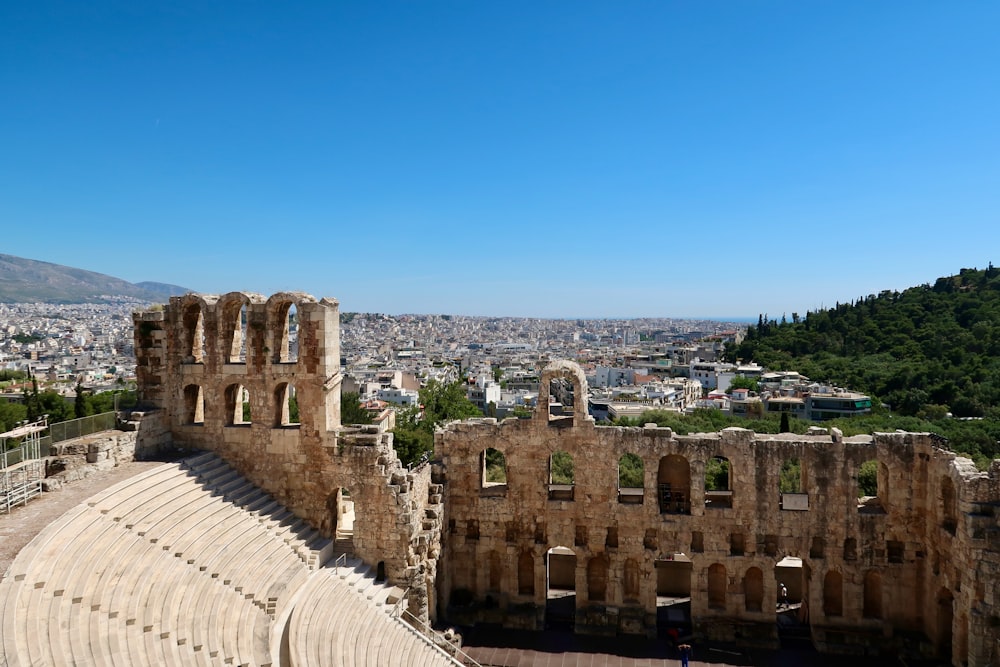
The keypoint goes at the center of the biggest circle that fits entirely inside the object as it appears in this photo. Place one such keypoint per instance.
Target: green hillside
(926, 351)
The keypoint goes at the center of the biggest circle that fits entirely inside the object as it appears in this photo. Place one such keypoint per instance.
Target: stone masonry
(913, 570)
(225, 375)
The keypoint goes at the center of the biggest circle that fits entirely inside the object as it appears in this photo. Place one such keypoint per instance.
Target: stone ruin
(490, 531)
(227, 373)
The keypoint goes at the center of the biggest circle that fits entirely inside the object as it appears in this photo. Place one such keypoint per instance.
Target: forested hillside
(926, 351)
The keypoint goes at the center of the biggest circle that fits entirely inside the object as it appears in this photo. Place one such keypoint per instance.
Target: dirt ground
(24, 522)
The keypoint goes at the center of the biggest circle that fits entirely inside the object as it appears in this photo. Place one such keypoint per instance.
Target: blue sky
(506, 158)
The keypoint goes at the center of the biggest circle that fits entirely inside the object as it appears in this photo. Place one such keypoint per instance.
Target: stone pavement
(511, 648)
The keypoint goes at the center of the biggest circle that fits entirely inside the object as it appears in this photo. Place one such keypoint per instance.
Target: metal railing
(76, 428)
(436, 639)
(341, 561)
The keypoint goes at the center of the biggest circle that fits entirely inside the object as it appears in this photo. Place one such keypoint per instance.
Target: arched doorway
(560, 588)
(791, 599)
(945, 621)
(673, 593)
(340, 508)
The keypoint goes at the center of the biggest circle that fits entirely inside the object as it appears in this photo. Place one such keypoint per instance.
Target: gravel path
(24, 522)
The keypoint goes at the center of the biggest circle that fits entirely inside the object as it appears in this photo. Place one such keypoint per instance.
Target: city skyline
(559, 161)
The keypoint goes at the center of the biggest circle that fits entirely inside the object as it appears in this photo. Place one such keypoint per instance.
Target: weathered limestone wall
(202, 355)
(913, 570)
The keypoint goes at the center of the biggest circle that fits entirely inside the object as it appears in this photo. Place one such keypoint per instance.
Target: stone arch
(673, 485)
(753, 589)
(526, 573)
(833, 593)
(949, 512)
(194, 404)
(193, 316)
(285, 405)
(718, 483)
(717, 584)
(631, 580)
(562, 476)
(238, 403)
(234, 322)
(282, 327)
(631, 478)
(492, 470)
(562, 394)
(872, 607)
(597, 578)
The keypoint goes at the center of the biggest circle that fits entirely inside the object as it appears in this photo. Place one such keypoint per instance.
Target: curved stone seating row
(343, 618)
(185, 564)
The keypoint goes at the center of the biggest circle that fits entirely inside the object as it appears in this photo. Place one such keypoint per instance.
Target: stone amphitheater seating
(190, 564)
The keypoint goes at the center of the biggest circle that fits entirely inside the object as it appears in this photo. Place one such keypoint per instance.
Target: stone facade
(913, 570)
(226, 375)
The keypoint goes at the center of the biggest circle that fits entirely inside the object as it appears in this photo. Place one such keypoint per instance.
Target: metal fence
(76, 428)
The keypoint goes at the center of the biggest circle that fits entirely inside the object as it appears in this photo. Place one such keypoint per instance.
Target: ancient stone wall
(911, 570)
(228, 375)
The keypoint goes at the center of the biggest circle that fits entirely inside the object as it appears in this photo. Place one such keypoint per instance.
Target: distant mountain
(163, 289)
(28, 280)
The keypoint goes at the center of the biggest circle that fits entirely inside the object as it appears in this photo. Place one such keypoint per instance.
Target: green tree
(561, 470)
(80, 407)
(351, 411)
(11, 414)
(868, 478)
(784, 427)
(630, 471)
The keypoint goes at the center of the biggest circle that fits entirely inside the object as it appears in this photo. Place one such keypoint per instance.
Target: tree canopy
(442, 402)
(925, 351)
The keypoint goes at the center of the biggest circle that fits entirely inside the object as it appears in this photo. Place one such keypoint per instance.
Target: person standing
(784, 597)
(685, 650)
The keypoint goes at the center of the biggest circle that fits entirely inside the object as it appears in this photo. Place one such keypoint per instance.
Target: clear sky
(700, 158)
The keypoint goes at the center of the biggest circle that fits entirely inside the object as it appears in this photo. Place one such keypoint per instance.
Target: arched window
(526, 573)
(493, 470)
(194, 405)
(873, 595)
(873, 495)
(833, 594)
(673, 485)
(718, 483)
(949, 514)
(233, 328)
(597, 579)
(850, 549)
(753, 589)
(631, 474)
(286, 406)
(717, 583)
(194, 335)
(283, 326)
(562, 476)
(792, 485)
(237, 405)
